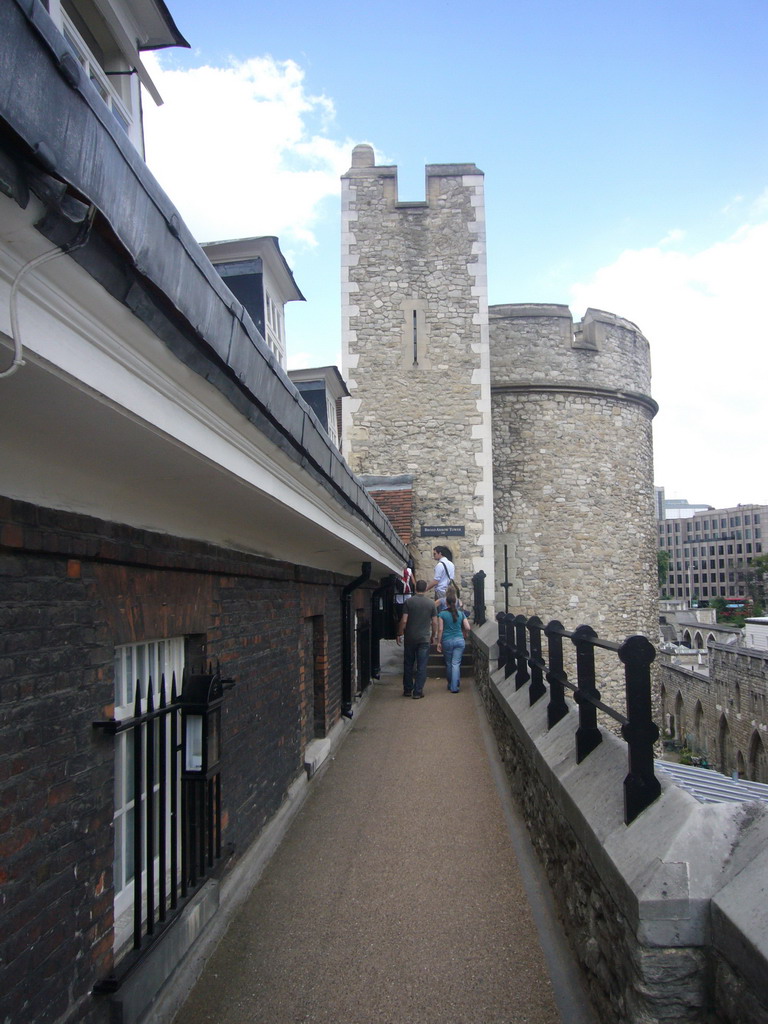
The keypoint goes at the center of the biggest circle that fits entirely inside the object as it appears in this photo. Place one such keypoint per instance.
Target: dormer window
(107, 38)
(109, 83)
(257, 274)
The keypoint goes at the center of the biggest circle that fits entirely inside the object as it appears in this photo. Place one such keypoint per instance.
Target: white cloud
(702, 314)
(298, 360)
(675, 235)
(244, 149)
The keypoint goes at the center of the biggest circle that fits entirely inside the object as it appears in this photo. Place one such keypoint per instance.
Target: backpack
(403, 585)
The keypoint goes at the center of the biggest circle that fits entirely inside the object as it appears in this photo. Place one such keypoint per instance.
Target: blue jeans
(415, 655)
(452, 654)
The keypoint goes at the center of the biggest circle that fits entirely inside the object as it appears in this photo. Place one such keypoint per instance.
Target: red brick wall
(397, 506)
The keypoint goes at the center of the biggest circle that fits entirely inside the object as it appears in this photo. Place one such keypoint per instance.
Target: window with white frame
(137, 664)
(100, 58)
(274, 327)
(330, 412)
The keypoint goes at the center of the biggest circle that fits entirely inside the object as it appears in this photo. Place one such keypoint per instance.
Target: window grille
(162, 855)
(137, 667)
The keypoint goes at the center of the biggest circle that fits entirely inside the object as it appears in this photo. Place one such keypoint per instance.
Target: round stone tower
(526, 439)
(573, 469)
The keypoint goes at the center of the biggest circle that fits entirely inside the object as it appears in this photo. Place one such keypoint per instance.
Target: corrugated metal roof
(711, 787)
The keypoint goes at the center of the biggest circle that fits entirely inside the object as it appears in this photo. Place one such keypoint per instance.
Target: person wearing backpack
(445, 571)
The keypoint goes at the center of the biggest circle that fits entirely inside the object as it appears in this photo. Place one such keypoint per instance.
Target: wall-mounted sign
(442, 531)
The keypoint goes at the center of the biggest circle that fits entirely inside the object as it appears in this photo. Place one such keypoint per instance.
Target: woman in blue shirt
(452, 627)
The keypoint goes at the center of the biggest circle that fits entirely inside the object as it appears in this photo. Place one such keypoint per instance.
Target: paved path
(403, 893)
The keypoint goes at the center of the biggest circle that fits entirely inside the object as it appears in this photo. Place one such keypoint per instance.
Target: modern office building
(709, 552)
(676, 508)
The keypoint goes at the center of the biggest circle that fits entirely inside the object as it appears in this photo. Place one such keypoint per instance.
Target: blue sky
(625, 155)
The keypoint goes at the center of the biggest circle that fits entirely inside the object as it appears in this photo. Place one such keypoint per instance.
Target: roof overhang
(157, 28)
(136, 330)
(265, 248)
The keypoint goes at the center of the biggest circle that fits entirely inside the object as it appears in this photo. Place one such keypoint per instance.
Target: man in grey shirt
(418, 627)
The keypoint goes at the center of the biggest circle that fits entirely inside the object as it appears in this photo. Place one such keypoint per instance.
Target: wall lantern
(201, 700)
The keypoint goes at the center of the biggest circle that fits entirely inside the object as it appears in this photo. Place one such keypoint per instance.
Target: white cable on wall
(38, 261)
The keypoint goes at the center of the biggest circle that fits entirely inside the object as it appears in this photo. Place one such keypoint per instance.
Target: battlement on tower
(540, 342)
(364, 166)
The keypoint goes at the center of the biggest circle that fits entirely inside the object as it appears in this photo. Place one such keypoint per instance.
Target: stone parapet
(539, 342)
(664, 915)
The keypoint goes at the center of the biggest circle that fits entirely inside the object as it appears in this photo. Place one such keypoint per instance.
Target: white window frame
(330, 414)
(274, 327)
(151, 658)
(96, 74)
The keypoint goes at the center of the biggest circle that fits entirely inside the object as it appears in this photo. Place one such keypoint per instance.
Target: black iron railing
(521, 655)
(176, 821)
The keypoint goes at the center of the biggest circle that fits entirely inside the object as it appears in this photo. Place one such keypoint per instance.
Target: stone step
(436, 665)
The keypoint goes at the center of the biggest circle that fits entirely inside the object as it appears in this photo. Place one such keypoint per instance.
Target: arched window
(680, 718)
(758, 768)
(741, 768)
(699, 642)
(687, 638)
(724, 752)
(698, 727)
(668, 725)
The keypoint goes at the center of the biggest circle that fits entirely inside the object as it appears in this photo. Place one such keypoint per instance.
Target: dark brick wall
(56, 791)
(71, 588)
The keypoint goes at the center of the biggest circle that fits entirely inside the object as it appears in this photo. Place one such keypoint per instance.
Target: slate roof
(59, 141)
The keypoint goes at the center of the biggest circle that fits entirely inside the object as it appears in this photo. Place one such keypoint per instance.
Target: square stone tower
(415, 353)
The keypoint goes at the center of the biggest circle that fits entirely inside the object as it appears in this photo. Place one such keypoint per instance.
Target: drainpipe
(346, 640)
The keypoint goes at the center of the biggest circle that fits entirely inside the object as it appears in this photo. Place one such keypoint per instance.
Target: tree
(662, 558)
(754, 573)
(719, 604)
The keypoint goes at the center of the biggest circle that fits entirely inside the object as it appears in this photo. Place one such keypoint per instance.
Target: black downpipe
(346, 640)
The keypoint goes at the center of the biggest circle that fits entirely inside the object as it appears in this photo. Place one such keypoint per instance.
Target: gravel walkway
(403, 893)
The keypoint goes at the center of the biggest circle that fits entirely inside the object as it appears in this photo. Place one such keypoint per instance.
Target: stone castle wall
(539, 342)
(573, 469)
(415, 350)
(528, 432)
(722, 714)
